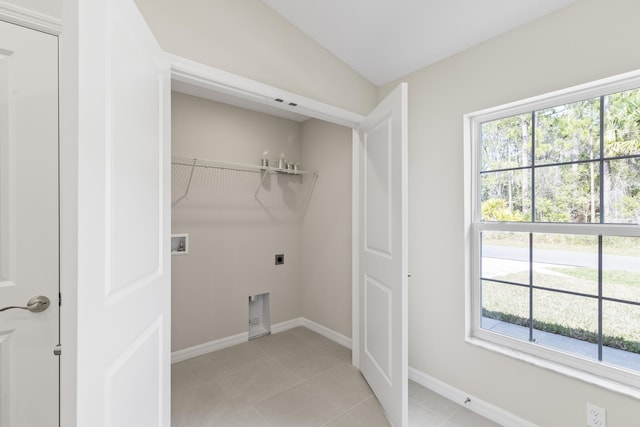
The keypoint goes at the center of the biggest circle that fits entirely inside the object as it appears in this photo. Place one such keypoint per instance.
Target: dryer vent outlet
(259, 323)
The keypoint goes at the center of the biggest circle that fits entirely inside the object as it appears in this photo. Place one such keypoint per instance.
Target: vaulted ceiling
(386, 39)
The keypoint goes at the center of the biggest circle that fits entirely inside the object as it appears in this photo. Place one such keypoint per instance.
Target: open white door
(382, 270)
(123, 297)
(28, 227)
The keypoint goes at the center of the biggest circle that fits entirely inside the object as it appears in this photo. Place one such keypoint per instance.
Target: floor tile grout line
(457, 408)
(339, 361)
(306, 382)
(299, 341)
(302, 380)
(217, 378)
(287, 389)
(278, 393)
(328, 397)
(451, 416)
(358, 403)
(352, 406)
(345, 413)
(270, 357)
(275, 359)
(327, 370)
(259, 414)
(333, 419)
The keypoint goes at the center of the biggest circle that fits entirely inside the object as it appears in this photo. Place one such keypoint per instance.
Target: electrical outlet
(596, 416)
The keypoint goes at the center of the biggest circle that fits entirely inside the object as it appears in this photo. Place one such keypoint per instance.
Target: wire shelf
(227, 184)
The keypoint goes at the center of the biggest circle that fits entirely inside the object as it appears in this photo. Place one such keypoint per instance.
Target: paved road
(574, 259)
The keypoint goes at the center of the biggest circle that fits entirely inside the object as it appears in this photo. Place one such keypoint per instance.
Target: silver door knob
(35, 305)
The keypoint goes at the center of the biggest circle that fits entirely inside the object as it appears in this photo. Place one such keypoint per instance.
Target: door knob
(35, 305)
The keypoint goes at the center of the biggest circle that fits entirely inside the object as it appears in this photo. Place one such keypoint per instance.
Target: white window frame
(599, 373)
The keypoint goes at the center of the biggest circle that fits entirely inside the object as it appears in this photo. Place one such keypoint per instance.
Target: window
(553, 190)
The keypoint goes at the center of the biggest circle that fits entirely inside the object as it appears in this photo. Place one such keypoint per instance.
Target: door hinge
(59, 299)
(57, 350)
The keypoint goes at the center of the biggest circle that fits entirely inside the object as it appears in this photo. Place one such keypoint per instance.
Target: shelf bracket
(186, 193)
(307, 198)
(264, 175)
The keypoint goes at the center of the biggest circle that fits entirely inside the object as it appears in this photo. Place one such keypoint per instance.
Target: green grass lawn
(569, 315)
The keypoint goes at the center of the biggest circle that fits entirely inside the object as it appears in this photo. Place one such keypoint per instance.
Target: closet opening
(248, 183)
(251, 218)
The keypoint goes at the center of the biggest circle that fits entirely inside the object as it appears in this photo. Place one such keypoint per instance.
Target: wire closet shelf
(192, 163)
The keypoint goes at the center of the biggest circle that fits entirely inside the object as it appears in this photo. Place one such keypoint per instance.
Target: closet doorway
(255, 227)
(378, 205)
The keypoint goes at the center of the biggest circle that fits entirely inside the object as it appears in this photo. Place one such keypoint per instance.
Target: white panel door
(123, 357)
(383, 254)
(28, 226)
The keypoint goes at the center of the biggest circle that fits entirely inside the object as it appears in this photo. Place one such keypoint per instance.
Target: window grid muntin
(533, 165)
(600, 230)
(602, 191)
(517, 168)
(531, 264)
(599, 296)
(562, 291)
(600, 340)
(601, 183)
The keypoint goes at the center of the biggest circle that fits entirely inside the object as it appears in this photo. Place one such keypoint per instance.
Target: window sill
(509, 349)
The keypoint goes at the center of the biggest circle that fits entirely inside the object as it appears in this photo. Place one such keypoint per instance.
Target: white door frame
(30, 19)
(30, 213)
(34, 20)
(201, 80)
(208, 80)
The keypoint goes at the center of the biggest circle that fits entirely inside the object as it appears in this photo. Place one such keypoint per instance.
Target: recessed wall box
(259, 323)
(179, 244)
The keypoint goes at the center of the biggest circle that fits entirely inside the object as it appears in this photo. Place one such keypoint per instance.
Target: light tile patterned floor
(294, 378)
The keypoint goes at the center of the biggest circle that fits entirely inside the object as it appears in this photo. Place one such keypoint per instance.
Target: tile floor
(294, 378)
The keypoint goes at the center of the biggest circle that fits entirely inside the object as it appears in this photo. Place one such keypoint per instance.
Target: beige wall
(589, 40)
(233, 238)
(248, 39)
(51, 8)
(326, 230)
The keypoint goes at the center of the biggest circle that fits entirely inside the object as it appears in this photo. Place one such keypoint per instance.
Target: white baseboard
(199, 350)
(327, 333)
(208, 347)
(472, 403)
(286, 325)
